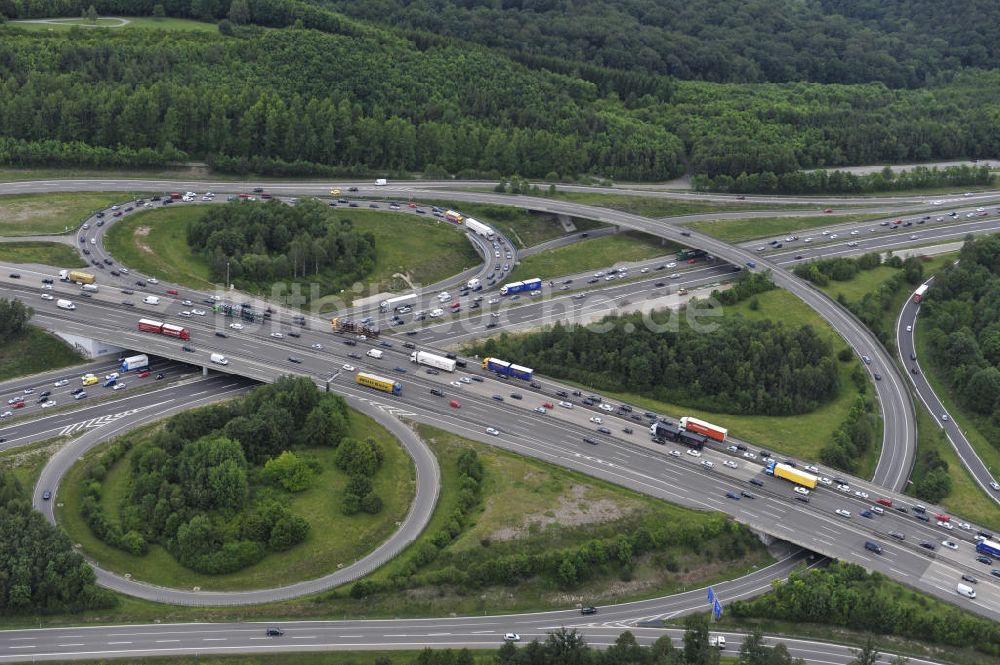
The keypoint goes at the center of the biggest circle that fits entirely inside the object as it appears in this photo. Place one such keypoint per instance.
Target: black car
(140, 282)
(159, 376)
(15, 275)
(409, 345)
(922, 518)
(115, 273)
(77, 391)
(590, 441)
(411, 333)
(221, 334)
(746, 495)
(588, 610)
(757, 482)
(927, 545)
(562, 393)
(803, 499)
(436, 392)
(188, 348)
(108, 261)
(603, 430)
(350, 342)
(46, 280)
(516, 396)
(274, 632)
(46, 393)
(293, 359)
(477, 379)
(627, 430)
(293, 334)
(46, 495)
(128, 292)
(970, 579)
(432, 371)
(897, 535)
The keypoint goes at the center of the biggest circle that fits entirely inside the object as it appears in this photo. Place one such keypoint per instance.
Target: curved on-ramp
(428, 481)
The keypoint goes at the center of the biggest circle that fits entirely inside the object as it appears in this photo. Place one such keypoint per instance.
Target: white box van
(65, 304)
(436, 313)
(91, 287)
(151, 300)
(219, 359)
(380, 182)
(966, 590)
(374, 353)
(719, 642)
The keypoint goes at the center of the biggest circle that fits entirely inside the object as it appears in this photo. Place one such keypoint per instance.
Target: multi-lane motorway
(620, 458)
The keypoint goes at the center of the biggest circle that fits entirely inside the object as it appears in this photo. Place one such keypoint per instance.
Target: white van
(151, 300)
(966, 590)
(219, 359)
(65, 304)
(374, 353)
(436, 313)
(380, 182)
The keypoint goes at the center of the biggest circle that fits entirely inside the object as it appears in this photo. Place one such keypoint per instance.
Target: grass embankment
(333, 539)
(35, 351)
(592, 253)
(47, 253)
(58, 212)
(526, 504)
(115, 23)
(654, 206)
(425, 250)
(26, 462)
(801, 436)
(154, 242)
(391, 657)
(740, 230)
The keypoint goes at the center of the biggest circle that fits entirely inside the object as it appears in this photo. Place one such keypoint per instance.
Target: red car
(456, 305)
(898, 221)
(412, 205)
(265, 196)
(143, 374)
(17, 405)
(942, 518)
(454, 404)
(884, 502)
(828, 210)
(692, 260)
(548, 405)
(172, 292)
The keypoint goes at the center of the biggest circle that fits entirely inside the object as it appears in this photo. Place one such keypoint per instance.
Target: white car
(46, 287)
(945, 525)
(60, 383)
(694, 453)
(860, 494)
(6, 414)
(730, 463)
(965, 526)
(493, 432)
(511, 637)
(826, 233)
(644, 271)
(206, 198)
(277, 335)
(186, 314)
(597, 419)
(316, 345)
(808, 240)
(843, 513)
(49, 403)
(672, 264)
(801, 490)
(732, 449)
(913, 237)
(675, 276)
(811, 468)
(493, 301)
(540, 409)
(113, 375)
(878, 510)
(825, 480)
(456, 384)
(118, 386)
(749, 455)
(675, 453)
(348, 368)
(833, 235)
(708, 463)
(153, 280)
(993, 484)
(855, 232)
(909, 328)
(950, 544)
(844, 488)
(606, 407)
(198, 312)
(236, 326)
(566, 405)
(123, 270)
(47, 296)
(465, 379)
(29, 391)
(186, 303)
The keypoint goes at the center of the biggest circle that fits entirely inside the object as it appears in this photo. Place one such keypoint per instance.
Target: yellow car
(89, 380)
(334, 192)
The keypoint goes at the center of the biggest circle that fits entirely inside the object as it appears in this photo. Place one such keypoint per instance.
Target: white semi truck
(431, 360)
(480, 228)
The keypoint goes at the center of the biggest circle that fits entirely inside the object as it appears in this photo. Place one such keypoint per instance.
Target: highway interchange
(620, 458)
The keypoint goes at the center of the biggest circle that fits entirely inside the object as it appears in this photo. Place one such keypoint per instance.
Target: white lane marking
(71, 644)
(119, 643)
(164, 641)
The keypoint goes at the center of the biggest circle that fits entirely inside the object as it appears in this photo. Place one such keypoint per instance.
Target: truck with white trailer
(397, 302)
(480, 228)
(431, 360)
(140, 361)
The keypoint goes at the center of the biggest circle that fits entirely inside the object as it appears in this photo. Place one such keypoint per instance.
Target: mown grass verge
(55, 212)
(591, 253)
(46, 253)
(35, 351)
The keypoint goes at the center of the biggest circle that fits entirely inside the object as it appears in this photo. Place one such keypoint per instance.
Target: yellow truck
(76, 276)
(792, 474)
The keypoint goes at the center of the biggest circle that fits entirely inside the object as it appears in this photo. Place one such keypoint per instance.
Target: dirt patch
(574, 509)
(142, 232)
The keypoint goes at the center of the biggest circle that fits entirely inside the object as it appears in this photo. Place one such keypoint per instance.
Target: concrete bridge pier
(567, 223)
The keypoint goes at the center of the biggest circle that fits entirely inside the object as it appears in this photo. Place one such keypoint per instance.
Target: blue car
(733, 495)
(867, 513)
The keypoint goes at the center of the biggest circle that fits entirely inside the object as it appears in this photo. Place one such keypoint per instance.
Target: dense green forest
(39, 571)
(334, 95)
(962, 314)
(211, 486)
(902, 43)
(258, 244)
(742, 367)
